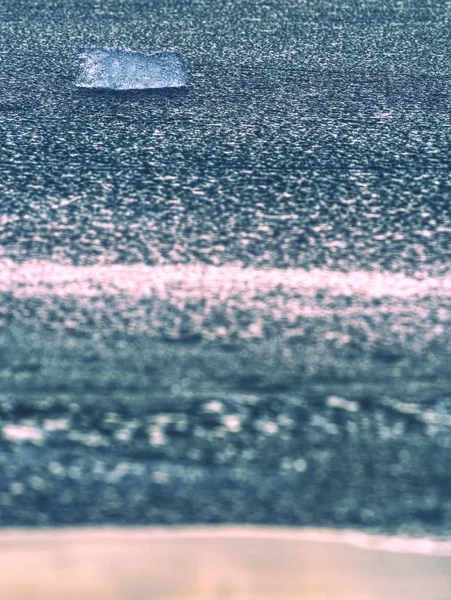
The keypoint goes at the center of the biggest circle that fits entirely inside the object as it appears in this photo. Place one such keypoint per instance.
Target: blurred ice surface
(115, 69)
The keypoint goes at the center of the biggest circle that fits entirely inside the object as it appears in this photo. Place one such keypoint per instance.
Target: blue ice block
(116, 69)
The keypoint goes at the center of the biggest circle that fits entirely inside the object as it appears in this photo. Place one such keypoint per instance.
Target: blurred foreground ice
(115, 69)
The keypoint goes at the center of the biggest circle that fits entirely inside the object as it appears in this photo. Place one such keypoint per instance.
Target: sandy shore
(220, 563)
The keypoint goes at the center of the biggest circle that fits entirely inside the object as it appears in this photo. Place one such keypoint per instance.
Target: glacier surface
(116, 69)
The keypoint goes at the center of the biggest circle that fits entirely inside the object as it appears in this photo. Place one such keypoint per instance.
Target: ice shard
(116, 69)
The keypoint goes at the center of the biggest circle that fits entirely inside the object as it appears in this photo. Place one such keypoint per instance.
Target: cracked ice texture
(115, 69)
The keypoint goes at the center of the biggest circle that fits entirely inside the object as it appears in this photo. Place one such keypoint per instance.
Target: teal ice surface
(313, 136)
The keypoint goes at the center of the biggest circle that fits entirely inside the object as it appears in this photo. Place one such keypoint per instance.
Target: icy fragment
(115, 69)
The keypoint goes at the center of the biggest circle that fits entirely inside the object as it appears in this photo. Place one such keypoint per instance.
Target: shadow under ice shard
(115, 69)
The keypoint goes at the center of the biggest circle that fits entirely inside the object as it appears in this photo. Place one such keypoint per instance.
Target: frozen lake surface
(228, 302)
